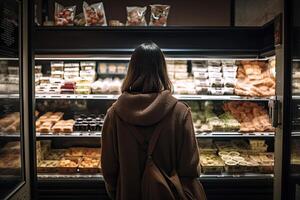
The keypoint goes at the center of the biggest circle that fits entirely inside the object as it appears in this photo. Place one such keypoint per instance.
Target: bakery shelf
(9, 96)
(99, 177)
(246, 176)
(76, 177)
(10, 136)
(235, 135)
(296, 134)
(72, 135)
(198, 135)
(179, 97)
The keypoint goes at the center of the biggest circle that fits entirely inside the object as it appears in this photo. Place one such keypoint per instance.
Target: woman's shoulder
(182, 109)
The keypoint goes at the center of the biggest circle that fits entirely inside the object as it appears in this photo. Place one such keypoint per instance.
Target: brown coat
(123, 158)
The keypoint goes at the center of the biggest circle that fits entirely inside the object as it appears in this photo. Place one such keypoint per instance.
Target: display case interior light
(127, 58)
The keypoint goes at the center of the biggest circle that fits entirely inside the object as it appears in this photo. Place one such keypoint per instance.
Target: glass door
(13, 184)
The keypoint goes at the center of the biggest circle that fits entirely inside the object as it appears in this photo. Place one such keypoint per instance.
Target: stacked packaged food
(232, 116)
(71, 160)
(255, 78)
(88, 123)
(112, 68)
(107, 86)
(251, 116)
(183, 83)
(296, 78)
(200, 72)
(235, 156)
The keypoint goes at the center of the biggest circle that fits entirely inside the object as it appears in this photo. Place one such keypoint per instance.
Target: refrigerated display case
(226, 74)
(14, 162)
(287, 168)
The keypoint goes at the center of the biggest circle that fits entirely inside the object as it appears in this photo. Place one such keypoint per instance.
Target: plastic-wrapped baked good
(115, 23)
(94, 14)
(64, 16)
(159, 15)
(136, 16)
(79, 20)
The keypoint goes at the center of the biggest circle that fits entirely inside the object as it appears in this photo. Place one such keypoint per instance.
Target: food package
(79, 20)
(200, 75)
(47, 166)
(94, 14)
(89, 165)
(88, 65)
(115, 23)
(159, 15)
(64, 16)
(136, 16)
(211, 163)
(251, 116)
(255, 79)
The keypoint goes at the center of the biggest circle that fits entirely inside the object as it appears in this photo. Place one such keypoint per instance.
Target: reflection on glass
(10, 151)
(11, 174)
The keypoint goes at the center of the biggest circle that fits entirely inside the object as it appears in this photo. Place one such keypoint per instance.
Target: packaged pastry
(68, 165)
(79, 20)
(136, 16)
(102, 68)
(38, 69)
(57, 66)
(64, 16)
(47, 166)
(94, 14)
(88, 65)
(112, 68)
(115, 23)
(89, 165)
(159, 15)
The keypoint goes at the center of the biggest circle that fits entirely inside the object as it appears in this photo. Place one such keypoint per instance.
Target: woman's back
(147, 102)
(176, 147)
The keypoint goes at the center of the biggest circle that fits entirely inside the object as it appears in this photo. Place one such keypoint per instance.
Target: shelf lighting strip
(127, 58)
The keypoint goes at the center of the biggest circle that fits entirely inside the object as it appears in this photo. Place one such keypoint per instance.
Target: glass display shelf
(179, 97)
(198, 135)
(9, 96)
(99, 176)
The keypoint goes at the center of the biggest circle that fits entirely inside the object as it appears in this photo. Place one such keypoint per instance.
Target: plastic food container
(214, 68)
(216, 91)
(201, 75)
(216, 82)
(215, 74)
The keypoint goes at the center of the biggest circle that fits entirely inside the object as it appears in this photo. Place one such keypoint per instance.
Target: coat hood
(144, 109)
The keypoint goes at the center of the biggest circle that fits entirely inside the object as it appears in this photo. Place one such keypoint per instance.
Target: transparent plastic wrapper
(64, 16)
(159, 15)
(79, 20)
(94, 14)
(136, 16)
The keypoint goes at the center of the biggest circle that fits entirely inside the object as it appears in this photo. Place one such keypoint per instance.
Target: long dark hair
(147, 71)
